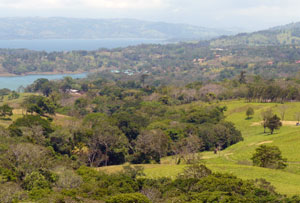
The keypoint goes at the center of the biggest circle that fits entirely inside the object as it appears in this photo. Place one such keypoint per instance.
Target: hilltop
(280, 35)
(75, 28)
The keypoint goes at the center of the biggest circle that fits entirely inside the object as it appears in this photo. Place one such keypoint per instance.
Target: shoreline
(44, 73)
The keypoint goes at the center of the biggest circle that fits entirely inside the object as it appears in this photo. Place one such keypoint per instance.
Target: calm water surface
(61, 45)
(16, 81)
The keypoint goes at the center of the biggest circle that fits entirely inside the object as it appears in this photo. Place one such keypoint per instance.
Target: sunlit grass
(236, 159)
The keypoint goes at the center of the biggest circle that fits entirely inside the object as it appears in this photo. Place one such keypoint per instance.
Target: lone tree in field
(249, 112)
(273, 123)
(265, 116)
(269, 157)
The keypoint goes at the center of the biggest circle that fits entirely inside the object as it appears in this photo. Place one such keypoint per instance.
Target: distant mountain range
(72, 28)
(281, 35)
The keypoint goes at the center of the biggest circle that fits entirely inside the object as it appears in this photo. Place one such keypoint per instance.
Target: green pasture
(236, 159)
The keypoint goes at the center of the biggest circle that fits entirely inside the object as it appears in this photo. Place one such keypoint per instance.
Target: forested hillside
(174, 63)
(76, 28)
(281, 35)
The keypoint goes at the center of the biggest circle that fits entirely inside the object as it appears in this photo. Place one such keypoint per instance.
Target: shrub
(128, 198)
(268, 157)
(195, 171)
(249, 112)
(35, 180)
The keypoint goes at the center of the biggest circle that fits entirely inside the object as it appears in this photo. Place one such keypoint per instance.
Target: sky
(249, 15)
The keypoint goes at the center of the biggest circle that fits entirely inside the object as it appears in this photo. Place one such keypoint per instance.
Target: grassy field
(58, 119)
(236, 159)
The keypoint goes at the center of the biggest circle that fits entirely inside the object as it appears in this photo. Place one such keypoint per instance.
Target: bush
(268, 157)
(67, 178)
(195, 171)
(30, 121)
(249, 112)
(11, 192)
(128, 198)
(35, 180)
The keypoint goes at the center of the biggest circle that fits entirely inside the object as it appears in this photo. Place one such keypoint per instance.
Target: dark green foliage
(39, 105)
(35, 180)
(30, 121)
(268, 157)
(206, 115)
(6, 110)
(15, 131)
(97, 185)
(7, 175)
(242, 78)
(13, 95)
(273, 123)
(249, 112)
(61, 142)
(130, 124)
(220, 135)
(266, 115)
(42, 85)
(128, 198)
(201, 186)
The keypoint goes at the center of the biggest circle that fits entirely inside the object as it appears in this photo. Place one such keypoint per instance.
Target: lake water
(62, 45)
(14, 82)
(68, 45)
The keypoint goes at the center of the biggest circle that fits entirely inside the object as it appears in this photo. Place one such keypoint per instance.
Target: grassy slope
(18, 112)
(236, 159)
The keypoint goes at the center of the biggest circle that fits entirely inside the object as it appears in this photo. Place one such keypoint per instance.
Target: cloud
(67, 4)
(208, 13)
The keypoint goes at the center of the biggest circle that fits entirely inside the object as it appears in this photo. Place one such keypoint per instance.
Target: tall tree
(107, 140)
(249, 112)
(268, 157)
(242, 78)
(265, 116)
(273, 123)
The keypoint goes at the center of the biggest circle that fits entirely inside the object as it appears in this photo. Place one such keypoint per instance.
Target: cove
(14, 82)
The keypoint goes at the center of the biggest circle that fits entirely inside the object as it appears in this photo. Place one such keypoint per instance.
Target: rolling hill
(72, 28)
(236, 159)
(281, 35)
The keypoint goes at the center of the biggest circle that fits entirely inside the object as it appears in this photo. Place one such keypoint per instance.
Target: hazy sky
(250, 14)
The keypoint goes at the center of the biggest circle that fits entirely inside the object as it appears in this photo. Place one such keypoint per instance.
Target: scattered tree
(273, 123)
(249, 112)
(13, 95)
(242, 79)
(265, 116)
(268, 157)
(6, 110)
